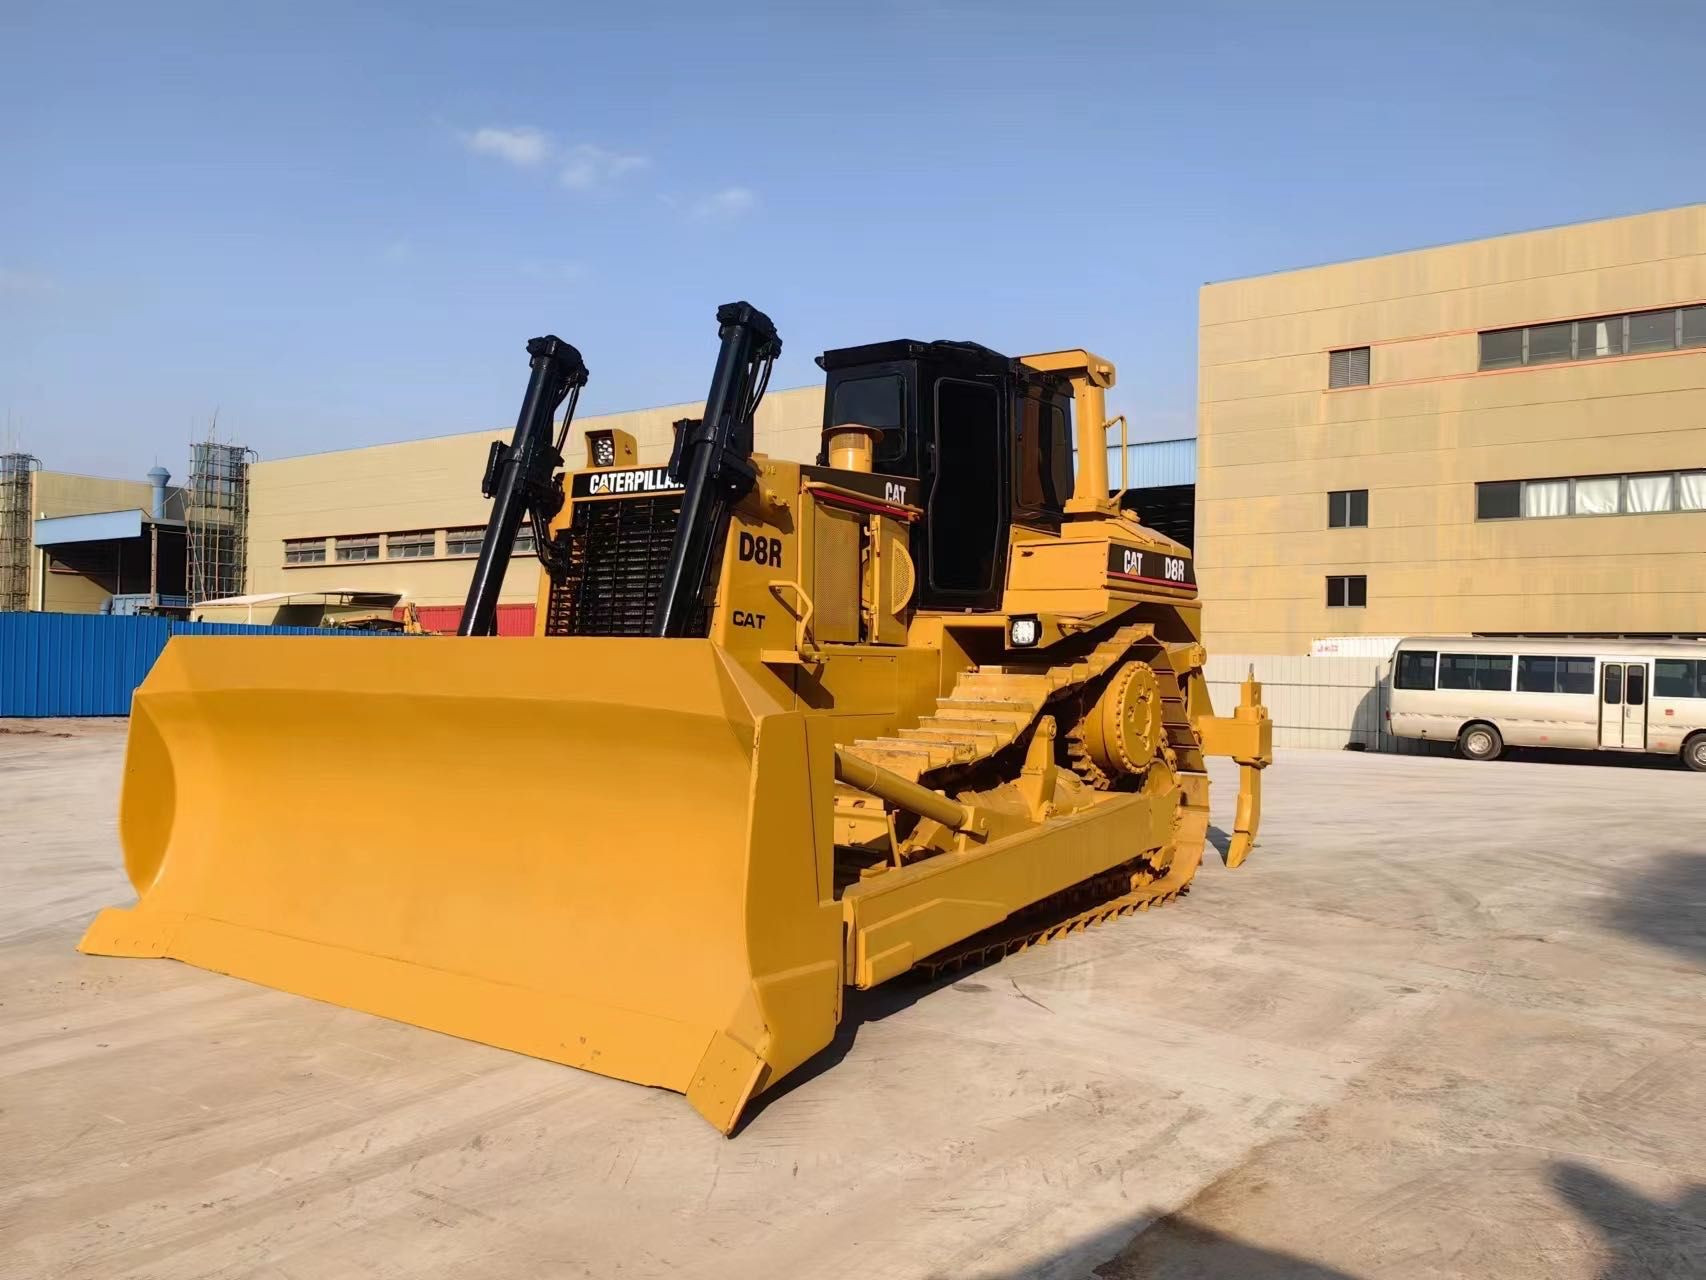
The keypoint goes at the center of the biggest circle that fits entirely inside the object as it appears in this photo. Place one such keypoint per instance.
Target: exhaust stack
(158, 477)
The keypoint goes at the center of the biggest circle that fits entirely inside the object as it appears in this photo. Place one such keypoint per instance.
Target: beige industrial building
(407, 519)
(72, 543)
(1507, 435)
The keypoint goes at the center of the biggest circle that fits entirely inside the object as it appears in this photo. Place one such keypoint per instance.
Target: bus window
(1679, 678)
(1637, 692)
(1482, 671)
(1542, 674)
(1536, 674)
(1613, 684)
(1415, 669)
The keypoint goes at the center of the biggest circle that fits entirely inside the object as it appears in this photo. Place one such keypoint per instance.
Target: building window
(411, 546)
(464, 542)
(1483, 671)
(1498, 500)
(1640, 493)
(1347, 509)
(1545, 498)
(305, 551)
(524, 541)
(1347, 368)
(1694, 326)
(1347, 591)
(1549, 343)
(362, 547)
(1542, 674)
(1603, 336)
(1633, 333)
(1653, 331)
(1501, 348)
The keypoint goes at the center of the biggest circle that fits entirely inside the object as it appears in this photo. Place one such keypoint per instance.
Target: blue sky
(338, 228)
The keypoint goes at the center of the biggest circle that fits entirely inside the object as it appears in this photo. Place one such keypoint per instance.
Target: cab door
(1623, 705)
(966, 511)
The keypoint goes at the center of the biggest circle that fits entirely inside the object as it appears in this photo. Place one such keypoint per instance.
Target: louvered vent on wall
(1347, 368)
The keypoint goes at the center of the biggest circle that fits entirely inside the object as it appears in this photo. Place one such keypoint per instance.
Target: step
(1008, 688)
(864, 746)
(1001, 729)
(976, 745)
(996, 706)
(905, 758)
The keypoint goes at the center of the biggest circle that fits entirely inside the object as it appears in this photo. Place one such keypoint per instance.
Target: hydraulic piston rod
(519, 475)
(877, 781)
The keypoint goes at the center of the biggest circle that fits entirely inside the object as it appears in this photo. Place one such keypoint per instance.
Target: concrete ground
(1450, 1020)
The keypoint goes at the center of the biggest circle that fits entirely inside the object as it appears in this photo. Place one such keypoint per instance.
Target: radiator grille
(618, 551)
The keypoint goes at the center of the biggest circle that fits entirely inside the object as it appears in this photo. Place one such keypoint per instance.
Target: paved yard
(1450, 1020)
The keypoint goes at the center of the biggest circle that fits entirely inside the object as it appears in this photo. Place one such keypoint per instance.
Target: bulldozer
(783, 730)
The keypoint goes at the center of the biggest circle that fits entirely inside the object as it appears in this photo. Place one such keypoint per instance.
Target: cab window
(880, 402)
(1042, 457)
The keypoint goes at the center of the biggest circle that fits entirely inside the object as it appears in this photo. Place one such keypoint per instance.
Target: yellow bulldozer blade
(593, 851)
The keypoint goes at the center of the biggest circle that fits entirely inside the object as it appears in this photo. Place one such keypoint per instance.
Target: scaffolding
(16, 538)
(216, 514)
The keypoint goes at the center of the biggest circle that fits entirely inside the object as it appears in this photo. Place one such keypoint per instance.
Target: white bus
(1600, 695)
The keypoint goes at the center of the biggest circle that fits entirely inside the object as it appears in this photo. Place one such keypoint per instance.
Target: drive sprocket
(1121, 731)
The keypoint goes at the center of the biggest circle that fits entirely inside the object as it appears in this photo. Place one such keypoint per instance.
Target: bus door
(1623, 705)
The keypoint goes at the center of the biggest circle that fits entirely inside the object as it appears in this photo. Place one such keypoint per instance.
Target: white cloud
(730, 202)
(584, 166)
(524, 148)
(587, 167)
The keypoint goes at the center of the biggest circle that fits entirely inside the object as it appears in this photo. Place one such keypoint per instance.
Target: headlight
(1023, 632)
(603, 448)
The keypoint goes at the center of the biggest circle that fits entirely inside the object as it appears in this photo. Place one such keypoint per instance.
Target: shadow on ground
(1643, 1239)
(862, 1007)
(1176, 1248)
(891, 997)
(1167, 1247)
(1539, 755)
(1595, 759)
(1665, 905)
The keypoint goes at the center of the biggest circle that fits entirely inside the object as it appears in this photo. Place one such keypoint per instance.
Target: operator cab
(988, 437)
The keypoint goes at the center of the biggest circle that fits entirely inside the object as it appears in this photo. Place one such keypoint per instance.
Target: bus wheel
(1694, 753)
(1479, 742)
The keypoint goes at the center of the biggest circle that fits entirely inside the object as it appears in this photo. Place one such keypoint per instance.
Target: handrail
(803, 642)
(1125, 455)
(837, 496)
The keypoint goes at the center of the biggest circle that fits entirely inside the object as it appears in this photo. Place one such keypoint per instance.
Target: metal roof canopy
(350, 596)
(98, 526)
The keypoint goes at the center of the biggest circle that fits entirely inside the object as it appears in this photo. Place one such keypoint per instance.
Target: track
(991, 708)
(1023, 930)
(994, 708)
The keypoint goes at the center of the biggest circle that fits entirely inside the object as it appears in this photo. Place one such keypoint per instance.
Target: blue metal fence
(83, 664)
